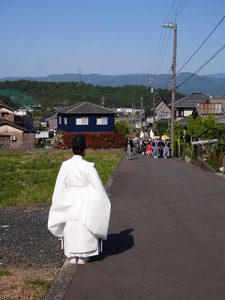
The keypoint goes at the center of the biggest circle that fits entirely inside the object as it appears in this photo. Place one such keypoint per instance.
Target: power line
(161, 43)
(185, 3)
(206, 63)
(178, 10)
(157, 51)
(201, 44)
(171, 7)
(162, 53)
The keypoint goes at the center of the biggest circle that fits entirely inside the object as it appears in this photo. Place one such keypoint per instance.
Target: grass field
(29, 177)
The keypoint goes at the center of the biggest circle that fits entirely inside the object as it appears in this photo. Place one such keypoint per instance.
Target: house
(216, 110)
(218, 99)
(185, 106)
(129, 111)
(162, 110)
(13, 135)
(6, 112)
(85, 117)
(51, 122)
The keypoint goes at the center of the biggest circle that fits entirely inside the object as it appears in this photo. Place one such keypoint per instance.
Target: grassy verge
(30, 177)
(26, 283)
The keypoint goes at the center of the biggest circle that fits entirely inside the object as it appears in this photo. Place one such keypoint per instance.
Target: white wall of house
(162, 111)
(188, 112)
(42, 135)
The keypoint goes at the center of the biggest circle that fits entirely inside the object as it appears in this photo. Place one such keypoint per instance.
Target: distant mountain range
(213, 84)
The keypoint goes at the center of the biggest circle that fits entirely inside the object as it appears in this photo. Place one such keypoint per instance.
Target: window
(82, 121)
(5, 114)
(180, 113)
(60, 120)
(102, 121)
(65, 120)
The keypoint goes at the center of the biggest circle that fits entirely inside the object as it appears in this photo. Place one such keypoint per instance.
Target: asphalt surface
(166, 238)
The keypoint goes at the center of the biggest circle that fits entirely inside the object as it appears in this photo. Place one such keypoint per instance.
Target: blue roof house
(85, 117)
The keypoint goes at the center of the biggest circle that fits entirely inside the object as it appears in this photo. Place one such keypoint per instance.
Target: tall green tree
(202, 128)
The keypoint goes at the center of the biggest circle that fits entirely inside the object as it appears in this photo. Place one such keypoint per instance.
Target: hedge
(94, 140)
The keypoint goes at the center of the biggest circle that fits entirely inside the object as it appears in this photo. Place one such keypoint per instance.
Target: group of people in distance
(155, 148)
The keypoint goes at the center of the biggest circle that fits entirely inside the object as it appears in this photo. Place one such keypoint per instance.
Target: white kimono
(80, 209)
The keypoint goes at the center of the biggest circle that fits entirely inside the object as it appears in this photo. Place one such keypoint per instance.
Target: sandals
(81, 261)
(73, 260)
(77, 260)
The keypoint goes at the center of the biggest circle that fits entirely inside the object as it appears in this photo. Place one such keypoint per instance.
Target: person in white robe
(80, 209)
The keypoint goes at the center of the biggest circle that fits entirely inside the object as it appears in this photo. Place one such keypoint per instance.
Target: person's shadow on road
(115, 244)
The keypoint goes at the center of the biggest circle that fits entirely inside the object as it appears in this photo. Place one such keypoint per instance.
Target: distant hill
(18, 97)
(213, 84)
(217, 75)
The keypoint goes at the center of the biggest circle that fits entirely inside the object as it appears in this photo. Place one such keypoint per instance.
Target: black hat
(79, 143)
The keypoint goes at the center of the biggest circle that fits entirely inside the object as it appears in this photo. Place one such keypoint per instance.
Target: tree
(201, 128)
(122, 127)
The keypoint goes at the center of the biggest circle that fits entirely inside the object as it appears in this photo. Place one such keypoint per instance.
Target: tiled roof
(168, 100)
(9, 123)
(6, 106)
(192, 100)
(85, 108)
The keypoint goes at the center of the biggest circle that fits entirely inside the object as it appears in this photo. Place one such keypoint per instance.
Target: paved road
(166, 237)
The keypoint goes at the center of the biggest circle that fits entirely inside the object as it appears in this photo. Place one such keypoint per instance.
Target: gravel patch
(25, 239)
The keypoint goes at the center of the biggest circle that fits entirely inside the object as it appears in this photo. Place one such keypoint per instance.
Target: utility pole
(153, 107)
(142, 99)
(103, 101)
(152, 91)
(174, 27)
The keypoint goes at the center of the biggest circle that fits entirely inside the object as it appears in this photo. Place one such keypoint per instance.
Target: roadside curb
(62, 281)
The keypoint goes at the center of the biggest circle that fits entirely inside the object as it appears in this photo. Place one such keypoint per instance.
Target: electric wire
(201, 44)
(160, 46)
(180, 8)
(176, 8)
(199, 69)
(173, 4)
(161, 53)
(165, 50)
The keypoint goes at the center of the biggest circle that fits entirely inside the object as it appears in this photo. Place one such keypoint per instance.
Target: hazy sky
(42, 37)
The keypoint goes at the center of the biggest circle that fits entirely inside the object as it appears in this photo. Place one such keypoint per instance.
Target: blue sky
(42, 37)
